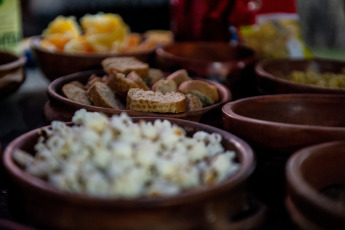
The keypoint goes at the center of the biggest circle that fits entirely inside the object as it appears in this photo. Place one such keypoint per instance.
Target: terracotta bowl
(56, 64)
(216, 207)
(316, 186)
(60, 108)
(271, 75)
(287, 122)
(12, 72)
(224, 62)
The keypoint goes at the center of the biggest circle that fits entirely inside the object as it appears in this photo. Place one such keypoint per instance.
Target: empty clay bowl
(12, 72)
(216, 207)
(271, 75)
(57, 64)
(228, 63)
(316, 186)
(284, 123)
(60, 108)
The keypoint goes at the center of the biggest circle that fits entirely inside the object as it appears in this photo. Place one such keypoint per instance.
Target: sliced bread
(75, 91)
(207, 93)
(154, 75)
(138, 80)
(150, 101)
(179, 76)
(164, 86)
(194, 102)
(125, 65)
(119, 84)
(101, 95)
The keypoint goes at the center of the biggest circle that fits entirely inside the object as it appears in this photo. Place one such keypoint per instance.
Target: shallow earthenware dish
(57, 64)
(228, 63)
(316, 186)
(217, 207)
(271, 75)
(286, 122)
(60, 108)
(12, 72)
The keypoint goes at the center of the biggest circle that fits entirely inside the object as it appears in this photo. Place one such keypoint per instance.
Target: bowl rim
(300, 186)
(52, 92)
(19, 61)
(161, 51)
(227, 111)
(35, 45)
(262, 73)
(247, 167)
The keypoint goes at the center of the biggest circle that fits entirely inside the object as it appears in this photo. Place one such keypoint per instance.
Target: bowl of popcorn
(126, 84)
(275, 76)
(67, 46)
(120, 172)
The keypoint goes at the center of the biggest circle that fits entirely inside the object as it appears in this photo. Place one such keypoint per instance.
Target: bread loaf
(75, 91)
(207, 93)
(125, 65)
(150, 101)
(101, 95)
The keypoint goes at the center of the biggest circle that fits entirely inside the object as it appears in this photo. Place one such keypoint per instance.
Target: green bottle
(10, 25)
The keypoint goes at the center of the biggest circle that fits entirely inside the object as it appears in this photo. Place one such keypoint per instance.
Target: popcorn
(115, 157)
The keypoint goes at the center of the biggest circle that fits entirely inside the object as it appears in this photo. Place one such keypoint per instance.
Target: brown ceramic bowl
(271, 75)
(228, 63)
(60, 108)
(12, 72)
(42, 205)
(316, 186)
(284, 123)
(56, 64)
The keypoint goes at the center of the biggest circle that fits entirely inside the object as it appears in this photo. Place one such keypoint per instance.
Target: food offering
(99, 33)
(315, 78)
(131, 84)
(119, 158)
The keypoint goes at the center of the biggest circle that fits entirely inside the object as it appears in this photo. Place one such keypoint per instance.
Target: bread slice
(165, 86)
(92, 79)
(125, 65)
(75, 91)
(101, 95)
(179, 76)
(207, 93)
(119, 84)
(154, 75)
(194, 102)
(150, 101)
(138, 80)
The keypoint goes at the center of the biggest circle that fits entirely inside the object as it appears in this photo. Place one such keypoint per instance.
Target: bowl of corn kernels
(68, 45)
(316, 75)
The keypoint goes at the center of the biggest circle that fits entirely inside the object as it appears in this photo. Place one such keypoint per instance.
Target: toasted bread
(179, 76)
(119, 84)
(138, 80)
(75, 91)
(125, 65)
(164, 86)
(207, 93)
(150, 101)
(194, 102)
(154, 75)
(101, 95)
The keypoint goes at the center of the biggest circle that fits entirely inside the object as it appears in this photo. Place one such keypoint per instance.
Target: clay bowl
(316, 186)
(284, 123)
(60, 108)
(271, 75)
(228, 63)
(44, 206)
(56, 64)
(12, 72)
